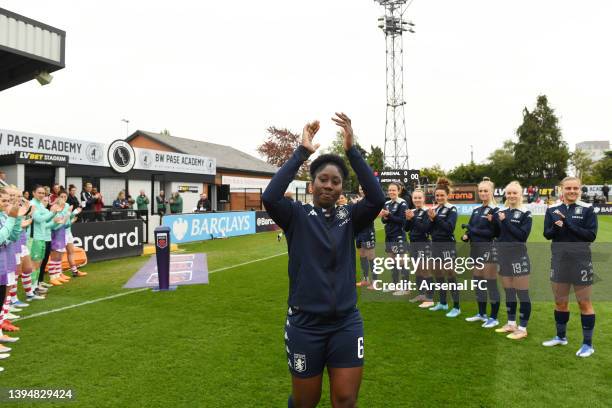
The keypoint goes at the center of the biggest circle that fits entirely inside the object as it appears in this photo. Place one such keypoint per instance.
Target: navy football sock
(442, 291)
(419, 280)
(588, 325)
(454, 293)
(365, 266)
(430, 292)
(511, 303)
(395, 275)
(481, 298)
(561, 318)
(493, 291)
(525, 311)
(290, 402)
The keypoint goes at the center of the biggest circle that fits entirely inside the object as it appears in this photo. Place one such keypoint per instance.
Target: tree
(165, 132)
(502, 164)
(602, 170)
(541, 155)
(376, 158)
(582, 162)
(432, 173)
(470, 173)
(279, 146)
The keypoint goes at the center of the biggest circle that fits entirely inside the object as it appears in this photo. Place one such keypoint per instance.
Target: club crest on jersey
(578, 211)
(341, 213)
(444, 210)
(486, 210)
(517, 214)
(299, 362)
(312, 212)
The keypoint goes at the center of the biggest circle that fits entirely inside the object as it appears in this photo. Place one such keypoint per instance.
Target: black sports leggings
(43, 264)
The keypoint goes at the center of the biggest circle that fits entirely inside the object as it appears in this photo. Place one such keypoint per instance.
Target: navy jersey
(579, 224)
(479, 228)
(516, 225)
(443, 225)
(419, 226)
(394, 222)
(320, 243)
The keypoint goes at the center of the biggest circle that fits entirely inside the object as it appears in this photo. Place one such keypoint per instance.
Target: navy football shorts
(517, 264)
(575, 268)
(395, 247)
(444, 250)
(420, 249)
(365, 244)
(484, 250)
(313, 342)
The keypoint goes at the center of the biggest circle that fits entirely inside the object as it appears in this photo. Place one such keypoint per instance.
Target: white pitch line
(80, 304)
(89, 302)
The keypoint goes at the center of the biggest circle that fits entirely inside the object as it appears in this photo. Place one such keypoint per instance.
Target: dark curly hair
(320, 162)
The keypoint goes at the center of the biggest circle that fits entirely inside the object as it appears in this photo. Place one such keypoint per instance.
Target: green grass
(221, 345)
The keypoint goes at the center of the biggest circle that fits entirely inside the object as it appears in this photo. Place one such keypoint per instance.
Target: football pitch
(221, 345)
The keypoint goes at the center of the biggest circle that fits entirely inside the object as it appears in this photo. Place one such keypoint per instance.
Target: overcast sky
(224, 71)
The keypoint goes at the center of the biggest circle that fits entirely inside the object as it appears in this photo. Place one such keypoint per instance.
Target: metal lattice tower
(394, 25)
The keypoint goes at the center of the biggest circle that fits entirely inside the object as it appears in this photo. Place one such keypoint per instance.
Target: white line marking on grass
(89, 302)
(81, 304)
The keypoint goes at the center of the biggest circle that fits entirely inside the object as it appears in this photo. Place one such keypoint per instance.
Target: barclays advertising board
(199, 227)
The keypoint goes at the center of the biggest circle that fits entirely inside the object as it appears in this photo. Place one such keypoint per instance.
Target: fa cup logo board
(162, 240)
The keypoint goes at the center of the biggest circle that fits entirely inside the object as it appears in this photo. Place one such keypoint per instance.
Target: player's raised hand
(23, 208)
(344, 122)
(431, 213)
(501, 215)
(308, 134)
(559, 213)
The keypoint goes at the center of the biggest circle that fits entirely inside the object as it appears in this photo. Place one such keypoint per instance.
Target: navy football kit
(323, 326)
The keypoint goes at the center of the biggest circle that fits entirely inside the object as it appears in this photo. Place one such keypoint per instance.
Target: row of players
(498, 236)
(33, 236)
